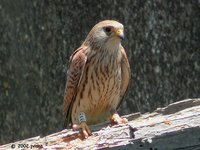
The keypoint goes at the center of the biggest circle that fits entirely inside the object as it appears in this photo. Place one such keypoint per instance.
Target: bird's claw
(116, 119)
(84, 127)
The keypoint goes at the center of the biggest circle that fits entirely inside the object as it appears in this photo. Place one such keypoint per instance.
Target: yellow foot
(116, 119)
(85, 129)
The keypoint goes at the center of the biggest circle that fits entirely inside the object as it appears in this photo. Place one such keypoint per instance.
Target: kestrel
(97, 78)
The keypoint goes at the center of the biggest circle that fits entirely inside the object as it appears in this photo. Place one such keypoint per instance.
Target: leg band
(82, 117)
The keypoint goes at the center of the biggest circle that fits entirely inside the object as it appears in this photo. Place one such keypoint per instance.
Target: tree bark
(176, 126)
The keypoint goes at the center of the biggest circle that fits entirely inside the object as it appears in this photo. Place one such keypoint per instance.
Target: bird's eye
(107, 29)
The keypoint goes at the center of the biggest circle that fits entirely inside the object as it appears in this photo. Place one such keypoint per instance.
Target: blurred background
(37, 37)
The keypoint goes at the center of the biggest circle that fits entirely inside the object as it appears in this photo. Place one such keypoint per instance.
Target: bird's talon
(116, 119)
(75, 127)
(124, 120)
(84, 127)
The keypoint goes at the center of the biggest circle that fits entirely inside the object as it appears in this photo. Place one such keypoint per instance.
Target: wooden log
(176, 127)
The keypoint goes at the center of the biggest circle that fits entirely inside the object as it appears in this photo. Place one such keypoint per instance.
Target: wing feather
(125, 74)
(74, 75)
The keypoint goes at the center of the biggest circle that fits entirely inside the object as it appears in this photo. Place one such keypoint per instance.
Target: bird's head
(107, 32)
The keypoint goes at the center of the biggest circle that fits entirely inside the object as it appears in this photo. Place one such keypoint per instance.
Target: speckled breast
(99, 90)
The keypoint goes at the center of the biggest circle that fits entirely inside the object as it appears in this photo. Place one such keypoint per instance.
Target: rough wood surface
(176, 127)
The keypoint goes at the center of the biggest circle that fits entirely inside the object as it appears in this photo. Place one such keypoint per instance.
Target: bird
(98, 77)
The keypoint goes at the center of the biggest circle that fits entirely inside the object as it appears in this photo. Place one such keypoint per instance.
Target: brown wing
(74, 75)
(126, 74)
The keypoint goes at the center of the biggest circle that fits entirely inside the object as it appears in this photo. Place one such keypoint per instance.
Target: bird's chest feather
(99, 88)
(104, 76)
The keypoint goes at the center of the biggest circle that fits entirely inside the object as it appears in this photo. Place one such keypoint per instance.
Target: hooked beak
(119, 33)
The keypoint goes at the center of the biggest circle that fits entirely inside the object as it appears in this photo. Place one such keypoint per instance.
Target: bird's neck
(112, 48)
(106, 49)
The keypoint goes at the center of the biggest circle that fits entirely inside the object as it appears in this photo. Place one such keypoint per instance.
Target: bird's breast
(99, 89)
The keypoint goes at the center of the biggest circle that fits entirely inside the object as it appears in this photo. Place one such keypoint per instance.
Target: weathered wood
(176, 126)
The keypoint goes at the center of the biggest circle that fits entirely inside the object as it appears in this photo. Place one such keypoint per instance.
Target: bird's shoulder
(79, 53)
